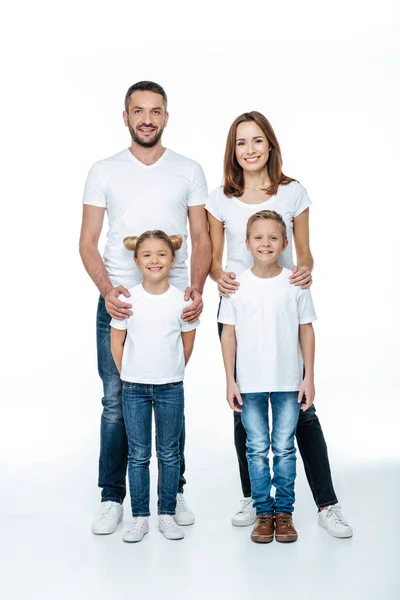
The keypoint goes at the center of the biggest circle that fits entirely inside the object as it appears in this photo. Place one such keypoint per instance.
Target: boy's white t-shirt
(290, 201)
(153, 351)
(267, 314)
(138, 197)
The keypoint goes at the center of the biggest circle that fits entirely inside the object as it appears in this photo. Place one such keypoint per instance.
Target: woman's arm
(307, 344)
(188, 343)
(226, 281)
(228, 341)
(117, 346)
(302, 273)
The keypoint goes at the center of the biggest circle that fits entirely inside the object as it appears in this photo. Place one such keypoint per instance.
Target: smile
(155, 269)
(252, 160)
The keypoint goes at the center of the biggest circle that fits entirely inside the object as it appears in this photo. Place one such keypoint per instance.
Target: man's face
(146, 118)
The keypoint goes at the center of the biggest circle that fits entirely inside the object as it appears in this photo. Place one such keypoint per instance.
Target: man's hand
(307, 390)
(233, 396)
(301, 276)
(191, 313)
(227, 284)
(115, 308)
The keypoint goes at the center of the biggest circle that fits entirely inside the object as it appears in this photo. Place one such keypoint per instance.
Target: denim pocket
(128, 385)
(176, 385)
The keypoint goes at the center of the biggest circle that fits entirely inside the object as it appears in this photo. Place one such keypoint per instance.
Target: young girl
(150, 350)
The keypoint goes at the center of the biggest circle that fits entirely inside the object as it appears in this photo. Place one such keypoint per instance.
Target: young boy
(267, 326)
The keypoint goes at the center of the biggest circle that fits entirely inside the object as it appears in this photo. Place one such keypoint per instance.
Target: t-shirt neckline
(246, 204)
(156, 295)
(153, 165)
(262, 279)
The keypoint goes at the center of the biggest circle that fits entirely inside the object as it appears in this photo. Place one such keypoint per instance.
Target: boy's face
(266, 241)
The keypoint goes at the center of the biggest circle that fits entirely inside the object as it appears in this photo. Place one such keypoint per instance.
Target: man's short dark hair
(145, 86)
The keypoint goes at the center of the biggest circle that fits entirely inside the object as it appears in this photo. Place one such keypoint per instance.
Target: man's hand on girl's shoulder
(115, 308)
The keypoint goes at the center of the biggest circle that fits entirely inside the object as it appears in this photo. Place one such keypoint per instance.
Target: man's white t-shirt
(290, 201)
(153, 351)
(266, 314)
(139, 197)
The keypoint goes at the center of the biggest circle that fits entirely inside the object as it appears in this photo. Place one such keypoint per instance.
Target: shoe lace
(108, 511)
(265, 519)
(335, 516)
(180, 500)
(137, 524)
(245, 503)
(169, 524)
(285, 521)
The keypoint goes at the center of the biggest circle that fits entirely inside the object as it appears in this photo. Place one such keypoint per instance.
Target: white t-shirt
(153, 351)
(290, 201)
(267, 314)
(139, 197)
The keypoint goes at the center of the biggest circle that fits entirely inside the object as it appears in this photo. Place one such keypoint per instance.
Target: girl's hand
(233, 396)
(191, 313)
(115, 308)
(307, 391)
(227, 284)
(301, 276)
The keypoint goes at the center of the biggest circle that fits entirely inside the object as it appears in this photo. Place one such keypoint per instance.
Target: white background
(327, 77)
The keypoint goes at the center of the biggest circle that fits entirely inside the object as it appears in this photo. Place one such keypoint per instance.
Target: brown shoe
(263, 531)
(285, 531)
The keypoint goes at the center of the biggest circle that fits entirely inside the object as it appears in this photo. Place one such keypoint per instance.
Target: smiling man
(146, 186)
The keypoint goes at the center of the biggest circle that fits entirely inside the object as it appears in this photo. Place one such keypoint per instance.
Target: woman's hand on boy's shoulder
(227, 284)
(233, 396)
(191, 313)
(301, 276)
(306, 394)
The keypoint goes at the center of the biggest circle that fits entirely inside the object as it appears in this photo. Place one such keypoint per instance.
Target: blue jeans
(285, 414)
(113, 440)
(138, 400)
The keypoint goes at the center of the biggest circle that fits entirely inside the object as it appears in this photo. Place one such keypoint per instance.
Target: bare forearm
(307, 344)
(216, 269)
(229, 353)
(200, 263)
(305, 260)
(94, 265)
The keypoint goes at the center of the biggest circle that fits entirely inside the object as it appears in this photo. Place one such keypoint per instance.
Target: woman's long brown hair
(233, 172)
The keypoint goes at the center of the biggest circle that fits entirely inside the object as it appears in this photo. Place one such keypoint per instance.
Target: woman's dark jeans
(312, 447)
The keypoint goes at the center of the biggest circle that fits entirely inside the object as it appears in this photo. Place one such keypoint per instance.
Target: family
(148, 313)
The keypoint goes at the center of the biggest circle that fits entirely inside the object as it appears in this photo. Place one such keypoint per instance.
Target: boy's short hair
(266, 214)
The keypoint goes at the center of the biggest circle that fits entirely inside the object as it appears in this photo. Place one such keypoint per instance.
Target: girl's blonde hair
(174, 242)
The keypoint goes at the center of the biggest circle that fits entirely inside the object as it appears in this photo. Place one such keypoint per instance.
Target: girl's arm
(188, 343)
(301, 234)
(228, 340)
(226, 281)
(307, 344)
(117, 346)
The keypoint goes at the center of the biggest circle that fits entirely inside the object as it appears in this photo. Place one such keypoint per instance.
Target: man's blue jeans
(285, 414)
(113, 440)
(138, 400)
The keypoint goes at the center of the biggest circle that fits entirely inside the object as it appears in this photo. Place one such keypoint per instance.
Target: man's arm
(117, 346)
(92, 224)
(199, 263)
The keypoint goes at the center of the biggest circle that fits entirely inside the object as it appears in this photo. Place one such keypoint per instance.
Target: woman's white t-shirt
(153, 351)
(290, 201)
(266, 314)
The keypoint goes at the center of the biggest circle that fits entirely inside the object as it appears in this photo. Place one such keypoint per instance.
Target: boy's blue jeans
(138, 400)
(285, 414)
(113, 440)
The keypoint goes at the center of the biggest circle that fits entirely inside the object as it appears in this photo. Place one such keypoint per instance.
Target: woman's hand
(227, 284)
(301, 276)
(191, 313)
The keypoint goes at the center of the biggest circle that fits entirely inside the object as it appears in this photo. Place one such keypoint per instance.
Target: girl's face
(154, 259)
(252, 147)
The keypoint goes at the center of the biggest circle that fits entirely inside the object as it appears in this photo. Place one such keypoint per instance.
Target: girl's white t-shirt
(290, 201)
(153, 351)
(266, 314)
(139, 197)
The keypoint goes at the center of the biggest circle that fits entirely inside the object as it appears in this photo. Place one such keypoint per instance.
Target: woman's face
(252, 147)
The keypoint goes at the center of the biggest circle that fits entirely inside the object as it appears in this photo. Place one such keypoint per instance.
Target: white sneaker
(334, 522)
(246, 515)
(110, 515)
(169, 528)
(137, 531)
(183, 515)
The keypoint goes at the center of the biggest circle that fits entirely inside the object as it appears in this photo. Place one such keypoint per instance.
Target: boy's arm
(188, 343)
(117, 346)
(228, 341)
(307, 344)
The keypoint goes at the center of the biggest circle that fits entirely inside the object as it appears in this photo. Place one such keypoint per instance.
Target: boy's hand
(191, 313)
(307, 390)
(233, 396)
(301, 276)
(227, 284)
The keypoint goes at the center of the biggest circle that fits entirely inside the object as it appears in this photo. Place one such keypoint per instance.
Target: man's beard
(148, 144)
